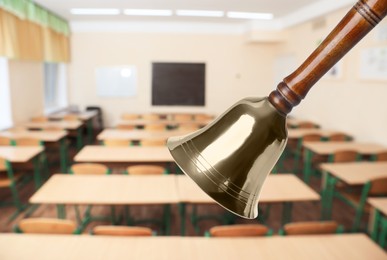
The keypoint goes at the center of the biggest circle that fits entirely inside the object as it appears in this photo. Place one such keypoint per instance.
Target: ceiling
(279, 8)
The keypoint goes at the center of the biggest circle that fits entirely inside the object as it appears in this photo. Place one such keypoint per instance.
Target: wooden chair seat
(5, 181)
(247, 230)
(47, 226)
(311, 228)
(121, 231)
(89, 168)
(145, 170)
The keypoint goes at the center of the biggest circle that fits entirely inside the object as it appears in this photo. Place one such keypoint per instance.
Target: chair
(39, 119)
(155, 127)
(46, 226)
(338, 137)
(382, 156)
(344, 156)
(8, 180)
(117, 142)
(53, 128)
(71, 117)
(244, 230)
(151, 117)
(183, 117)
(145, 170)
(311, 228)
(373, 188)
(126, 116)
(202, 117)
(89, 169)
(125, 127)
(5, 141)
(189, 127)
(122, 231)
(153, 142)
(306, 124)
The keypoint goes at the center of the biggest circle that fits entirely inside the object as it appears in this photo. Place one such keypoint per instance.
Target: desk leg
(182, 209)
(307, 165)
(89, 125)
(324, 188)
(374, 224)
(286, 212)
(63, 155)
(297, 155)
(61, 211)
(383, 232)
(79, 138)
(329, 195)
(37, 177)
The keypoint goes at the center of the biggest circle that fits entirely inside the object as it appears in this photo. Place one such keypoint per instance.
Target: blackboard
(178, 84)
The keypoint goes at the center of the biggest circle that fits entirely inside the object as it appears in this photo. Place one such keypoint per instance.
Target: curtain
(30, 32)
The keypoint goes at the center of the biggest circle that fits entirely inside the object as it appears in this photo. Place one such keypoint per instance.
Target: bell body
(231, 157)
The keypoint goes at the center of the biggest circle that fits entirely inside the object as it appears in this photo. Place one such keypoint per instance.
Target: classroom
(193, 129)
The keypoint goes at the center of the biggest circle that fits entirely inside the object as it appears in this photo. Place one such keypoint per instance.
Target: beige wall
(234, 68)
(27, 93)
(350, 104)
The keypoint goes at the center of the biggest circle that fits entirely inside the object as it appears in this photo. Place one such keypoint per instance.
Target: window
(55, 87)
(5, 96)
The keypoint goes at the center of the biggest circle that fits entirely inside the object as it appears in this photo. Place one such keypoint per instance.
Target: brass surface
(231, 157)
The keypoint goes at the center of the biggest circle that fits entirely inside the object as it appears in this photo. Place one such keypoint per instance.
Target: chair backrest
(39, 119)
(381, 156)
(183, 117)
(47, 226)
(130, 116)
(17, 129)
(345, 156)
(246, 230)
(121, 231)
(5, 141)
(189, 127)
(311, 228)
(153, 142)
(151, 116)
(27, 141)
(3, 164)
(306, 124)
(312, 138)
(145, 170)
(116, 142)
(71, 117)
(378, 187)
(337, 137)
(202, 117)
(155, 127)
(52, 128)
(89, 168)
(125, 127)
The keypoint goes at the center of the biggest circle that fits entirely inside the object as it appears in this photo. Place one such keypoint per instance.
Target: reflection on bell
(231, 157)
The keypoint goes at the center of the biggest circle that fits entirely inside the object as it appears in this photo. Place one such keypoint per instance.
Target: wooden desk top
(379, 203)
(107, 190)
(99, 153)
(16, 154)
(45, 136)
(138, 134)
(81, 247)
(277, 188)
(326, 148)
(68, 125)
(162, 121)
(356, 173)
(298, 133)
(84, 116)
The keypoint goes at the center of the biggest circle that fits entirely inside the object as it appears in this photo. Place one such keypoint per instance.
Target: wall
(27, 91)
(234, 68)
(350, 104)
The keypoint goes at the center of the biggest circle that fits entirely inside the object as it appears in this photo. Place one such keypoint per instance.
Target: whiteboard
(119, 81)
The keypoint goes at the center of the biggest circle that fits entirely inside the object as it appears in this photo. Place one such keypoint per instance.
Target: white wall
(350, 104)
(234, 68)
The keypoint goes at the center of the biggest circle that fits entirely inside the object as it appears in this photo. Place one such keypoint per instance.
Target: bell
(231, 157)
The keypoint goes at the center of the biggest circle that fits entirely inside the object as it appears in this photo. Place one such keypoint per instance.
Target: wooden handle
(361, 19)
